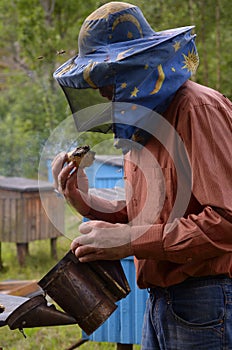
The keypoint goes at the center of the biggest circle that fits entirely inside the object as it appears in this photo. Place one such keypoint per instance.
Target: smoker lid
(11, 303)
(24, 185)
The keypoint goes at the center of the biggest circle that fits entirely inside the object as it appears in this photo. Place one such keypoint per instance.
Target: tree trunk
(218, 43)
(191, 12)
(192, 22)
(204, 60)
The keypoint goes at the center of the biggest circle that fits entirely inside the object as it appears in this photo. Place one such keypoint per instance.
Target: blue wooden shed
(106, 172)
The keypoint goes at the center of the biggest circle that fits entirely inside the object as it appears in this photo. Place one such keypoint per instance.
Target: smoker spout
(35, 312)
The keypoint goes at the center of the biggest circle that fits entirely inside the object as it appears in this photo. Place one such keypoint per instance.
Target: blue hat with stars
(118, 47)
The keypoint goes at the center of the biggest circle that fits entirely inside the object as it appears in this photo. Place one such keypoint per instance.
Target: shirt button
(135, 167)
(135, 202)
(189, 259)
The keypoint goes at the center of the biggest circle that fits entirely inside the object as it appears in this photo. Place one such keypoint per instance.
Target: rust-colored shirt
(197, 240)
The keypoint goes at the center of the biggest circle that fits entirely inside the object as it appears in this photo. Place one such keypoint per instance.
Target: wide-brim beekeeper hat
(117, 46)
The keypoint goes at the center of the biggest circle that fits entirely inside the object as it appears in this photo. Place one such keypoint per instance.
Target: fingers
(85, 227)
(81, 173)
(74, 245)
(63, 171)
(66, 173)
(57, 164)
(88, 253)
(85, 253)
(60, 158)
(81, 240)
(82, 181)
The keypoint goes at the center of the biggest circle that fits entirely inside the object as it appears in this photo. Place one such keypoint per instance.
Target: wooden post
(124, 346)
(22, 251)
(53, 248)
(1, 263)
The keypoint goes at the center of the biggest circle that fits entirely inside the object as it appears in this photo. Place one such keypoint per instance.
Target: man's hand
(72, 182)
(101, 240)
(63, 173)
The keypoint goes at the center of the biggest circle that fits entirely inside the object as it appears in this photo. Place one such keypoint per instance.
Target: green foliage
(38, 36)
(31, 103)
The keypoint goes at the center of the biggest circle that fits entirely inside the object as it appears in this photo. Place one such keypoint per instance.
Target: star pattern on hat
(176, 46)
(134, 92)
(191, 61)
(123, 85)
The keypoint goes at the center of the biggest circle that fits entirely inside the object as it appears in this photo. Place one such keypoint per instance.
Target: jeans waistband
(195, 281)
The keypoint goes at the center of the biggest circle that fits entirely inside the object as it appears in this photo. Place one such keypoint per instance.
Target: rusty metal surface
(113, 277)
(10, 303)
(87, 291)
(35, 312)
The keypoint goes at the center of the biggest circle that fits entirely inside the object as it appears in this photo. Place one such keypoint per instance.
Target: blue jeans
(195, 314)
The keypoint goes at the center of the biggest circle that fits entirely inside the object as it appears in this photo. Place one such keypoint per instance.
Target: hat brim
(76, 72)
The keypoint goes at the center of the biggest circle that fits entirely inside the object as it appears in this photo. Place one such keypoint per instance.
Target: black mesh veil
(91, 112)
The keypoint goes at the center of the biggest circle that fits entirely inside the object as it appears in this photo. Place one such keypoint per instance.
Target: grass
(38, 263)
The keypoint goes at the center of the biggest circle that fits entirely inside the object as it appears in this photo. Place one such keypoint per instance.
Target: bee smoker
(86, 291)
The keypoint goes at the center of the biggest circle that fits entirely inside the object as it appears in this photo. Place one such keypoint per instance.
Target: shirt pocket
(149, 196)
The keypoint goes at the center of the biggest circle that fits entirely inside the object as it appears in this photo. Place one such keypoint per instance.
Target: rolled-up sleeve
(196, 238)
(106, 210)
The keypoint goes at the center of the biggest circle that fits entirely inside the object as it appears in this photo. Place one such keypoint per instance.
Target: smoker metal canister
(82, 290)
